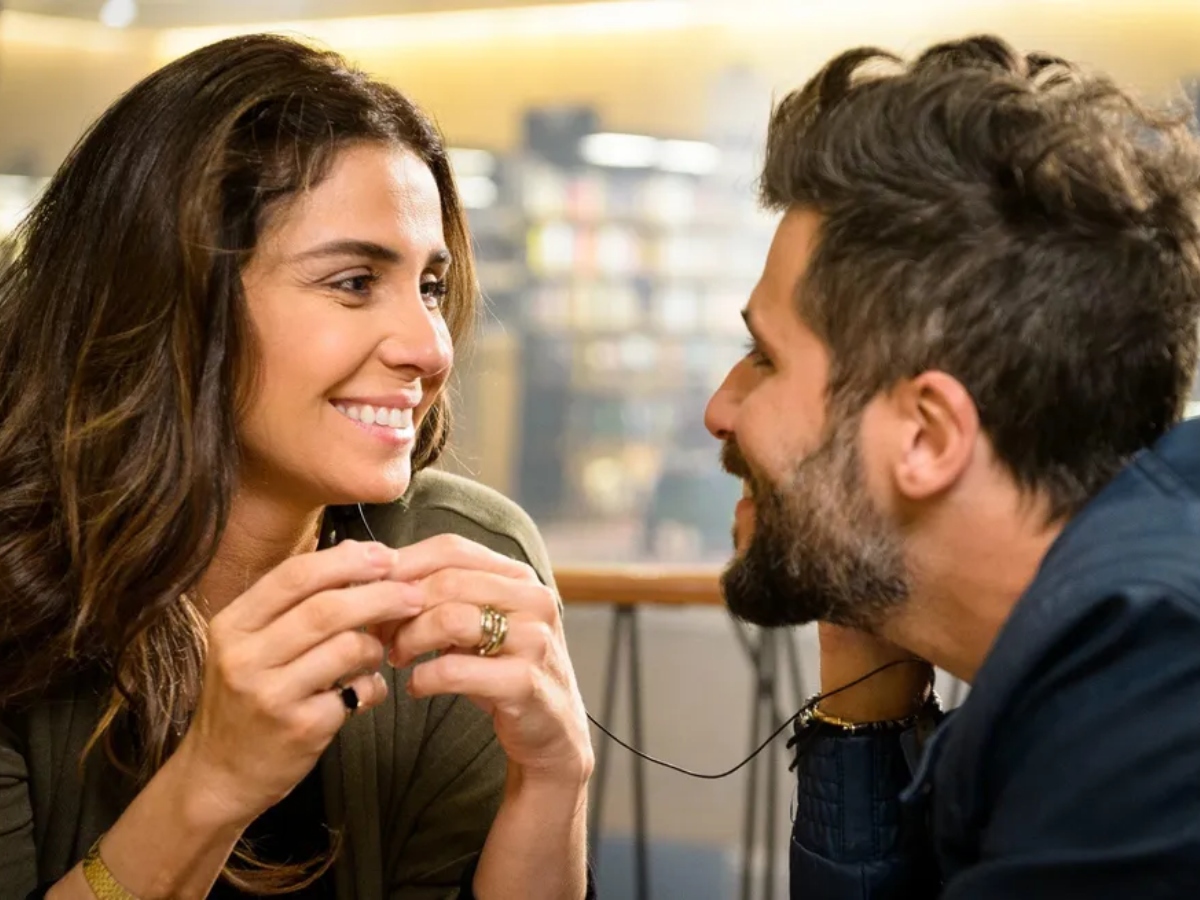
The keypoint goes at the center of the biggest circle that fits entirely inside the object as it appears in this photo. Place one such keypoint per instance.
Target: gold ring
(493, 629)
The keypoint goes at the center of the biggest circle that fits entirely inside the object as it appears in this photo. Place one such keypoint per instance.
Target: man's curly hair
(1013, 221)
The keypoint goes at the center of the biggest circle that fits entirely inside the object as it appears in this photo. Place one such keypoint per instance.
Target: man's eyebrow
(365, 249)
(755, 334)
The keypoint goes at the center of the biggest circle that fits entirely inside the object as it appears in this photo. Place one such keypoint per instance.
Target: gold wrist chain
(100, 879)
(817, 715)
(926, 699)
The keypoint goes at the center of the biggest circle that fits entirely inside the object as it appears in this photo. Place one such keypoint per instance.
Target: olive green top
(413, 785)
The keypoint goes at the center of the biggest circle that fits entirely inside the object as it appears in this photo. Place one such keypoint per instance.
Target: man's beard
(820, 551)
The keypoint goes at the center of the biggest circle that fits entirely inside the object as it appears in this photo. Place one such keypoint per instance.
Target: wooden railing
(638, 585)
(628, 590)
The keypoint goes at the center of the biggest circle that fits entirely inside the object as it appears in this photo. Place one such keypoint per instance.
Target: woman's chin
(370, 491)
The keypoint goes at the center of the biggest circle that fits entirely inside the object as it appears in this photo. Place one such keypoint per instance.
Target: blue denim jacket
(1073, 768)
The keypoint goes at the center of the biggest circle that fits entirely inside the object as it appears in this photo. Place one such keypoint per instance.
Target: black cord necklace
(713, 776)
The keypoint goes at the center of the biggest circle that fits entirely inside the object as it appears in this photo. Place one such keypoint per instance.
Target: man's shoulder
(1127, 564)
(1124, 541)
(1134, 544)
(1093, 646)
(1104, 706)
(1144, 523)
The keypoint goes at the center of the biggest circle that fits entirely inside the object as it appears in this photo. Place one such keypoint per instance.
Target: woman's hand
(269, 705)
(528, 687)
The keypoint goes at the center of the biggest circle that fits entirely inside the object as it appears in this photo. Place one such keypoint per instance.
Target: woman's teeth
(382, 415)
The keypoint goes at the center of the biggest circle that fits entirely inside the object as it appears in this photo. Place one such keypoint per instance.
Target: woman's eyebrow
(350, 247)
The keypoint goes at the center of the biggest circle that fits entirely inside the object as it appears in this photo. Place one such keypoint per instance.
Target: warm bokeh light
(606, 153)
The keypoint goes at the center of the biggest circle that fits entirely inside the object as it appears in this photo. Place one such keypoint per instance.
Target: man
(979, 307)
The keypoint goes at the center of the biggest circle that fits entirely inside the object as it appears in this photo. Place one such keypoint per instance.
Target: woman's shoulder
(439, 502)
(41, 748)
(435, 489)
(66, 710)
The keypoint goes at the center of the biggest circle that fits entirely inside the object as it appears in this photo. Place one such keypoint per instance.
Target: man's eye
(757, 358)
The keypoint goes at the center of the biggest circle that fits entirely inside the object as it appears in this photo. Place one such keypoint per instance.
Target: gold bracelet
(927, 700)
(100, 879)
(815, 714)
(819, 715)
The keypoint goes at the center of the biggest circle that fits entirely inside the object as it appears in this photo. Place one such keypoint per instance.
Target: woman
(225, 339)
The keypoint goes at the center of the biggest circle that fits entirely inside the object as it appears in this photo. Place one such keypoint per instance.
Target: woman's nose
(419, 340)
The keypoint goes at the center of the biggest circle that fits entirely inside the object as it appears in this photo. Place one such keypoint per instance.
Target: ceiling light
(477, 192)
(640, 151)
(469, 162)
(118, 13)
(619, 151)
(688, 157)
(457, 27)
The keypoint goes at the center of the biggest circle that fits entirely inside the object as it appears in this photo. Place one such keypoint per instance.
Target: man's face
(811, 544)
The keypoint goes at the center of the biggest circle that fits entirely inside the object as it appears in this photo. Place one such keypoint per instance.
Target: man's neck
(967, 577)
(261, 533)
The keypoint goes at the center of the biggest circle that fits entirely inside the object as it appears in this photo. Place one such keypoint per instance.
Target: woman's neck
(260, 534)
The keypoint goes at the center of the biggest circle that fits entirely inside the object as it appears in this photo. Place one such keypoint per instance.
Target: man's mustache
(733, 462)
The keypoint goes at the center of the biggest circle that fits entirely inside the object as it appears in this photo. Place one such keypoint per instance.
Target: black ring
(349, 699)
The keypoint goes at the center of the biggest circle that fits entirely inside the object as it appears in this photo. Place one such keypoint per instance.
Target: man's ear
(941, 425)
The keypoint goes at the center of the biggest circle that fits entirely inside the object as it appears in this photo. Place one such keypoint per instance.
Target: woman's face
(344, 293)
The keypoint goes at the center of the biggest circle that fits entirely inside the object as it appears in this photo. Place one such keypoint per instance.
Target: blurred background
(607, 152)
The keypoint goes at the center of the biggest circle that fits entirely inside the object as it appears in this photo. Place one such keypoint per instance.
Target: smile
(392, 425)
(382, 415)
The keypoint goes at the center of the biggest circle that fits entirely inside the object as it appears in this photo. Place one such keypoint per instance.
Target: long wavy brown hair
(126, 357)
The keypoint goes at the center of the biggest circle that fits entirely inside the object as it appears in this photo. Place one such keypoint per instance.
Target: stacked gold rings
(493, 628)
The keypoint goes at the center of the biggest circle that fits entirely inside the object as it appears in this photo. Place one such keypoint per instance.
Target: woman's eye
(359, 285)
(434, 291)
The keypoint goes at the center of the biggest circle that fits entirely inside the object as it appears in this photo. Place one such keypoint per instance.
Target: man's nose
(721, 410)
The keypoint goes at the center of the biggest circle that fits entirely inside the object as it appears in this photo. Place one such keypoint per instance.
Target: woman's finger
(508, 680)
(370, 690)
(538, 714)
(451, 551)
(317, 619)
(344, 656)
(454, 585)
(319, 716)
(298, 578)
(459, 626)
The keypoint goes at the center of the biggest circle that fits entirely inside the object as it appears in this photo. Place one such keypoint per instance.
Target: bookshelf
(624, 289)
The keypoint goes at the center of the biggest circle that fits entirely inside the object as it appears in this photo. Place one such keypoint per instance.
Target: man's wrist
(814, 717)
(894, 693)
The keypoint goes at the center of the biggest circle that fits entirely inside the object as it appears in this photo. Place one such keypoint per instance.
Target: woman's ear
(940, 427)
